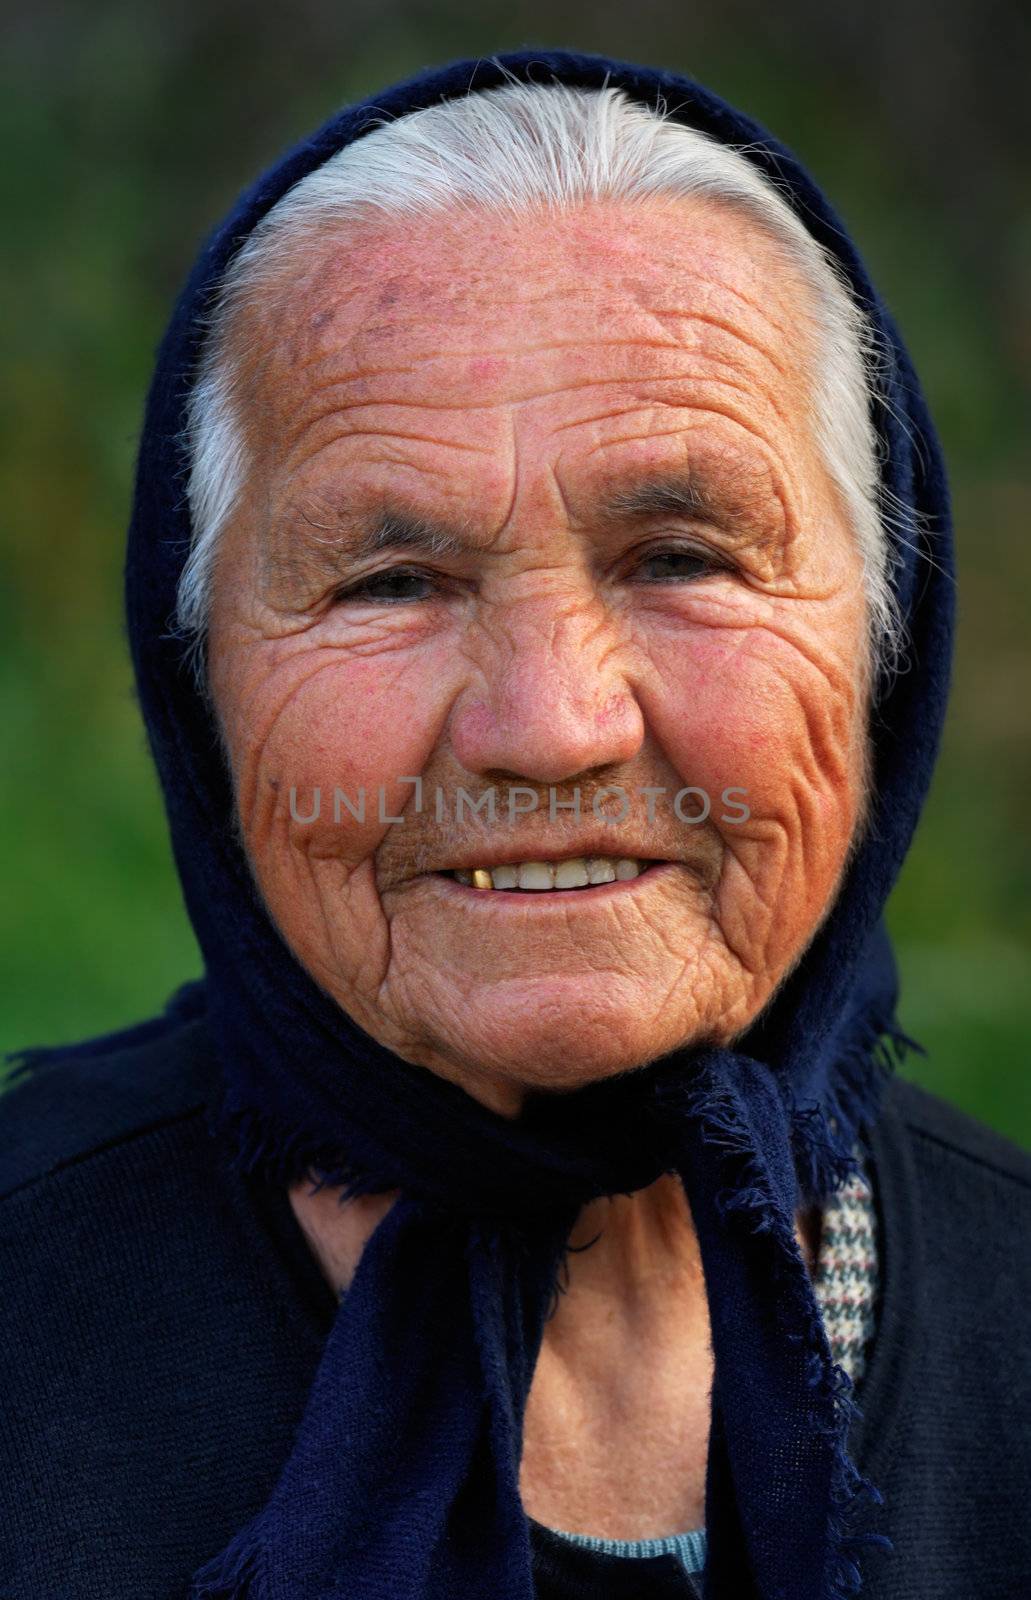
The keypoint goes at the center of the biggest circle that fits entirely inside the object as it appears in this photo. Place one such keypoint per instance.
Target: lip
(550, 900)
(599, 844)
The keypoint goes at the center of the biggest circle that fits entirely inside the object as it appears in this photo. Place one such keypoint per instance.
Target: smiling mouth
(536, 877)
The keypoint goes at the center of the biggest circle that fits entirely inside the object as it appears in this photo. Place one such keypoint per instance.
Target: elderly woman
(539, 590)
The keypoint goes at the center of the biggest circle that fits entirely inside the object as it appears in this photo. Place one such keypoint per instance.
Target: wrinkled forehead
(605, 290)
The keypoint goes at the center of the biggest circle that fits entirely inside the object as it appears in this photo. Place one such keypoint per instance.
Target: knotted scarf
(403, 1480)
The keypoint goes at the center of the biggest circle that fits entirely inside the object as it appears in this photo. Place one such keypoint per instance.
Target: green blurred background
(126, 134)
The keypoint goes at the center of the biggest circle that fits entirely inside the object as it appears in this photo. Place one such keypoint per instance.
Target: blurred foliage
(127, 135)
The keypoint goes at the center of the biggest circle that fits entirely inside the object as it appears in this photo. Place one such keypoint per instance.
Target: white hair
(513, 149)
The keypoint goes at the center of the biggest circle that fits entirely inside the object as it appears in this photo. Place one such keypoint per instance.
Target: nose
(554, 700)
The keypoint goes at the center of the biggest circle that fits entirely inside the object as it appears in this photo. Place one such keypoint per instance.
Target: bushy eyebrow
(677, 494)
(342, 539)
(394, 528)
(733, 508)
(334, 542)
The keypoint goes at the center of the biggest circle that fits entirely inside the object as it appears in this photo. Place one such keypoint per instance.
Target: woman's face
(534, 508)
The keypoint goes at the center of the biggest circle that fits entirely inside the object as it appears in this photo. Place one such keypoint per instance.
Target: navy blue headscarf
(403, 1479)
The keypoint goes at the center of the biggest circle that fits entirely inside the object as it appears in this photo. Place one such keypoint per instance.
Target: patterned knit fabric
(845, 1282)
(845, 1279)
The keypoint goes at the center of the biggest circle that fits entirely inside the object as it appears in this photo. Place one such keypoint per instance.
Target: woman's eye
(669, 566)
(398, 584)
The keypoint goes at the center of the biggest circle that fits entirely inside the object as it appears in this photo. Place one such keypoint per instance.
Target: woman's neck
(646, 1246)
(617, 1421)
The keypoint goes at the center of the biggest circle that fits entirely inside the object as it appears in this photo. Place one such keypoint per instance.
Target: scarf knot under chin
(404, 1477)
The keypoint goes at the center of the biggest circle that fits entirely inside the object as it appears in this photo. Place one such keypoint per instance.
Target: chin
(554, 1050)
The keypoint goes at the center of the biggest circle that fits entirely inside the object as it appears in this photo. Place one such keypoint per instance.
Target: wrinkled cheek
(788, 746)
(756, 716)
(721, 738)
(324, 779)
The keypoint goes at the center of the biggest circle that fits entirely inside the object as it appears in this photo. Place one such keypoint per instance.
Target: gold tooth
(482, 878)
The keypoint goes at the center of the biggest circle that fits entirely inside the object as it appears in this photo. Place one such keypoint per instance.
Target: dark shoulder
(69, 1108)
(945, 1429)
(955, 1200)
(944, 1135)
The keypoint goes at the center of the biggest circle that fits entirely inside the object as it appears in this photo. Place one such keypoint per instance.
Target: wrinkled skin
(506, 379)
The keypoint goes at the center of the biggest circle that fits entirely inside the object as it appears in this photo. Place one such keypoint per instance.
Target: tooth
(463, 876)
(571, 874)
(482, 878)
(600, 870)
(627, 869)
(505, 877)
(536, 875)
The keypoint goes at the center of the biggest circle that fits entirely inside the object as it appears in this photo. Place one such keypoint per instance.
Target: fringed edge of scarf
(833, 1406)
(234, 1574)
(259, 1146)
(823, 1135)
